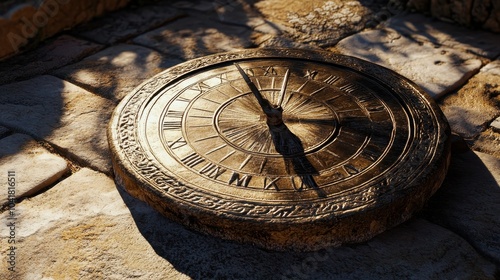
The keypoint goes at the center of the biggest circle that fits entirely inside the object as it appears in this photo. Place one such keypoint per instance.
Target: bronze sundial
(285, 149)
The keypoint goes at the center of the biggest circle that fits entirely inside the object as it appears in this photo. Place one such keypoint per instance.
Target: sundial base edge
(358, 150)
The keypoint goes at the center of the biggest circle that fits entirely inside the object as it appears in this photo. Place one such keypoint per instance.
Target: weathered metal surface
(296, 150)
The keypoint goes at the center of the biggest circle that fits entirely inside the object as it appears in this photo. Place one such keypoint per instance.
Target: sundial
(285, 149)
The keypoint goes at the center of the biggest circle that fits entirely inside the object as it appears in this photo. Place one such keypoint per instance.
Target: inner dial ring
(242, 124)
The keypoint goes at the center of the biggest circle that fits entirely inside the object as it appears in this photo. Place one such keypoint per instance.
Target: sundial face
(285, 149)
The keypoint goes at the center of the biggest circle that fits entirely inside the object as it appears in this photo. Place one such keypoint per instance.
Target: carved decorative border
(426, 148)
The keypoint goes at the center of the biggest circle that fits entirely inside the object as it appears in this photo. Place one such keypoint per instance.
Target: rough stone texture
(492, 68)
(124, 24)
(496, 124)
(192, 37)
(488, 142)
(82, 229)
(34, 166)
(422, 28)
(27, 25)
(116, 71)
(61, 113)
(320, 22)
(468, 203)
(484, 13)
(438, 70)
(97, 231)
(53, 54)
(474, 106)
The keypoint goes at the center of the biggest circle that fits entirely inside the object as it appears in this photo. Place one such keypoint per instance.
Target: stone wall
(472, 13)
(25, 25)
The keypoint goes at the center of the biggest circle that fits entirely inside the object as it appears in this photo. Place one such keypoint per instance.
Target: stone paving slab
(84, 227)
(187, 38)
(422, 28)
(81, 229)
(492, 68)
(124, 24)
(475, 105)
(116, 71)
(468, 203)
(496, 124)
(319, 22)
(51, 55)
(438, 70)
(61, 113)
(35, 167)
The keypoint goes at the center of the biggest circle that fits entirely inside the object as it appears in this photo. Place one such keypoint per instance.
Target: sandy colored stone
(495, 124)
(82, 229)
(35, 168)
(422, 29)
(438, 70)
(468, 203)
(320, 22)
(71, 118)
(116, 71)
(85, 228)
(474, 106)
(192, 37)
(52, 54)
(488, 142)
(124, 24)
(492, 68)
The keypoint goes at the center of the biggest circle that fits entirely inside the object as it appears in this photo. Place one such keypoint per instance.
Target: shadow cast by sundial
(290, 147)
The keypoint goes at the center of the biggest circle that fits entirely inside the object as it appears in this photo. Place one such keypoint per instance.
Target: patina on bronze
(284, 149)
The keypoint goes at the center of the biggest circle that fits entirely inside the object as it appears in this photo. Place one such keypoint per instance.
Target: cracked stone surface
(63, 114)
(116, 71)
(35, 167)
(437, 70)
(320, 22)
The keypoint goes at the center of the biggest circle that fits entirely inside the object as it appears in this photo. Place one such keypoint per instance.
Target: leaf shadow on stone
(468, 202)
(32, 109)
(116, 71)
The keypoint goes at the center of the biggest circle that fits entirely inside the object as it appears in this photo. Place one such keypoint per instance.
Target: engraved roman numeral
(192, 160)
(271, 183)
(349, 168)
(239, 181)
(310, 75)
(174, 120)
(373, 107)
(177, 124)
(250, 72)
(201, 86)
(349, 88)
(212, 170)
(183, 99)
(181, 142)
(331, 79)
(270, 71)
(369, 155)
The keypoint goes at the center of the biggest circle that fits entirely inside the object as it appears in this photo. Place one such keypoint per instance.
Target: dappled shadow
(32, 108)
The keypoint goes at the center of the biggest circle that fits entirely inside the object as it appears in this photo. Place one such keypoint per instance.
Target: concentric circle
(360, 148)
